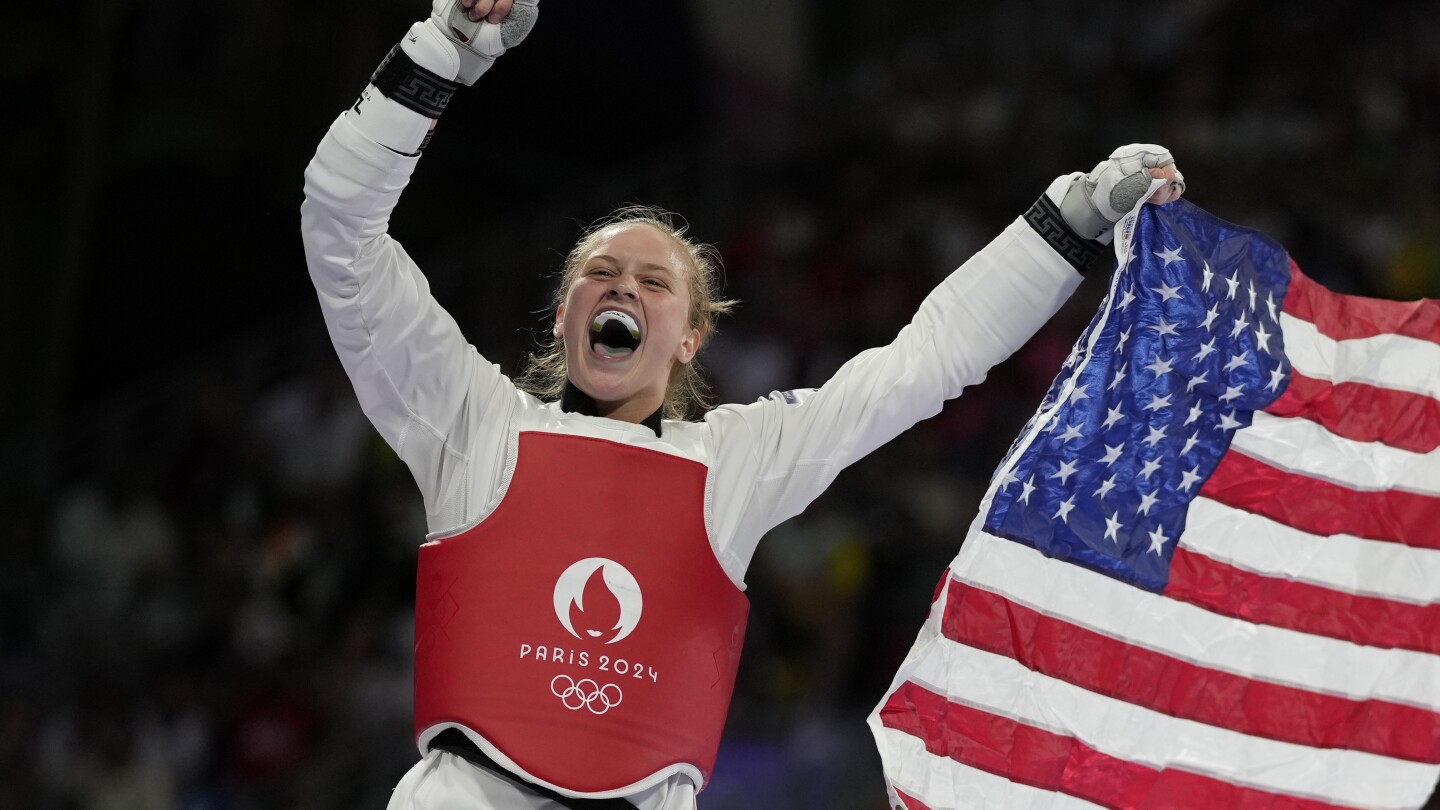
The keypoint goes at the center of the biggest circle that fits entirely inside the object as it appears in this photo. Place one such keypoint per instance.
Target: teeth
(616, 315)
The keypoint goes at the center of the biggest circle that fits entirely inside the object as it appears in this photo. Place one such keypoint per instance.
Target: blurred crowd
(206, 583)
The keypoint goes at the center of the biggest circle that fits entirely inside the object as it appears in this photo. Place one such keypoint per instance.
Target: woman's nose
(623, 287)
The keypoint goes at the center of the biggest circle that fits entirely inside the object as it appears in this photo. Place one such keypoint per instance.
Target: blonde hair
(686, 395)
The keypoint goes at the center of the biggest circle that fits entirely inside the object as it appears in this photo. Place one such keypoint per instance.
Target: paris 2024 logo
(597, 601)
(592, 591)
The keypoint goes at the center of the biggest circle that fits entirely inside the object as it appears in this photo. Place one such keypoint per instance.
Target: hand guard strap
(411, 86)
(1045, 218)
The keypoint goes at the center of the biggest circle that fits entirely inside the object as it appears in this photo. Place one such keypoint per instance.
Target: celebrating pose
(580, 605)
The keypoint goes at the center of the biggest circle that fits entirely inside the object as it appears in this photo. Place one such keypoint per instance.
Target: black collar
(574, 400)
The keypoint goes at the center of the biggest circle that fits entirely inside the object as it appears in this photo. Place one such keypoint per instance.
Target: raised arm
(798, 441)
(417, 379)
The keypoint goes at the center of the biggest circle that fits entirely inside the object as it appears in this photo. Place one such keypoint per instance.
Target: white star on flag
(1169, 256)
(1167, 292)
(1119, 375)
(1157, 540)
(1262, 338)
(1240, 324)
(1277, 376)
(1064, 512)
(1113, 526)
(1112, 417)
(1161, 366)
(1189, 478)
(1147, 500)
(1112, 454)
(1233, 282)
(1195, 412)
(1105, 487)
(1210, 315)
(1190, 442)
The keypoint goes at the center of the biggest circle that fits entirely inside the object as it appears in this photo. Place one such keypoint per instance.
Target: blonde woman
(580, 604)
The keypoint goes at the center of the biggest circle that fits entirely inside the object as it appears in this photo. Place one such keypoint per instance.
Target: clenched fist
(1096, 201)
(474, 32)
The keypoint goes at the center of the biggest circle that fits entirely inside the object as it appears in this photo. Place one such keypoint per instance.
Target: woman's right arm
(407, 360)
(423, 387)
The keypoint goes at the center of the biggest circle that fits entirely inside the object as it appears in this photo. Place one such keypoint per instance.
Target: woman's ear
(559, 329)
(689, 346)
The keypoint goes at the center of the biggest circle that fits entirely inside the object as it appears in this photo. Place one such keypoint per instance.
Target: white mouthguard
(616, 315)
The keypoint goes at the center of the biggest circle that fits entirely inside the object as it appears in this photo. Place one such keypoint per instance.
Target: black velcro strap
(412, 86)
(1044, 217)
(454, 741)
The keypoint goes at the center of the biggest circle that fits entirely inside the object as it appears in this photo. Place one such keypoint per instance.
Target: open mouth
(614, 333)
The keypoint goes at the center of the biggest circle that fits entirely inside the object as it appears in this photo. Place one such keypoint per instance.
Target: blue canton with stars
(1188, 346)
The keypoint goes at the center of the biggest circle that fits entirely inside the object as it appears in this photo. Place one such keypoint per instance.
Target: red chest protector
(585, 628)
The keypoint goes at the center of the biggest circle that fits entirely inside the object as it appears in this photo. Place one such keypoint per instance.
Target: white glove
(461, 55)
(454, 46)
(1096, 201)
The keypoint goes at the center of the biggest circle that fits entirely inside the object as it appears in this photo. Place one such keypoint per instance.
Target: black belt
(454, 741)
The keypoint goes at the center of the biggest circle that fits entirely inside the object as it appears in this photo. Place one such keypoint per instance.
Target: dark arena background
(207, 554)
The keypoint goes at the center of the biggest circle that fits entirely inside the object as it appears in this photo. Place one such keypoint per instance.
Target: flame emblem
(598, 598)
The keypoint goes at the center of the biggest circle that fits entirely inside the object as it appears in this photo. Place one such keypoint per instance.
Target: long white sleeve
(417, 379)
(781, 452)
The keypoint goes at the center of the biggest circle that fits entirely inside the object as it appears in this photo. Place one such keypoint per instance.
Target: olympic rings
(586, 694)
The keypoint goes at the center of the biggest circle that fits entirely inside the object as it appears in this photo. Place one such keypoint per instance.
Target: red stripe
(1049, 761)
(1344, 317)
(910, 802)
(1320, 507)
(1144, 677)
(1363, 413)
(1368, 620)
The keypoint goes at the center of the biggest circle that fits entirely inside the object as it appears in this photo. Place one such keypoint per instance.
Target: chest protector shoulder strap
(585, 629)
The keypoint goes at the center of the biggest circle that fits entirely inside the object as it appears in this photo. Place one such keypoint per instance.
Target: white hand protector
(473, 46)
(397, 108)
(1096, 201)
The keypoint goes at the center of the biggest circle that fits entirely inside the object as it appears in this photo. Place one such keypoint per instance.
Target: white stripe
(1387, 361)
(1003, 686)
(944, 784)
(1303, 446)
(1340, 561)
(1193, 634)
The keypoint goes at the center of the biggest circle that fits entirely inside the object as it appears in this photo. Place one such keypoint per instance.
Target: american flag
(1207, 574)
